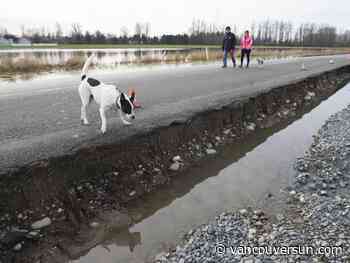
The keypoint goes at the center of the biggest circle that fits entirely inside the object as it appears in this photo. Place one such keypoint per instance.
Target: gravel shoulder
(314, 226)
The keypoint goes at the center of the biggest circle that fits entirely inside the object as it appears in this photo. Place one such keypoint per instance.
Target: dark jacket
(229, 41)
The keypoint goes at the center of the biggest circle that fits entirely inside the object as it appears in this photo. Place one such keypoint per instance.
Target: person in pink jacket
(246, 47)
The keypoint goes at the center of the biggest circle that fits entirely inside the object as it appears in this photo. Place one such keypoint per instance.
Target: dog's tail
(86, 67)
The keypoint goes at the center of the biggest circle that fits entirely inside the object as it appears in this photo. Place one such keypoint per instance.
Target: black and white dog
(106, 96)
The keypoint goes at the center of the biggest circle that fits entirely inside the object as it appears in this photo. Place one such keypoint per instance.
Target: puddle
(242, 175)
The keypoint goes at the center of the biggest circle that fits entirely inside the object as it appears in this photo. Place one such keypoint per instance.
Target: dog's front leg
(122, 118)
(103, 119)
(83, 116)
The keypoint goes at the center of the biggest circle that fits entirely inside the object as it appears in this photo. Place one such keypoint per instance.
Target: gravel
(316, 214)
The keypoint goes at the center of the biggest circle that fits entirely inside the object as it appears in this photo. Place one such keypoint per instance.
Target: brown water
(241, 175)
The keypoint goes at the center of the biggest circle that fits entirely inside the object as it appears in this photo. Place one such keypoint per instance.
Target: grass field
(106, 46)
(111, 46)
(11, 66)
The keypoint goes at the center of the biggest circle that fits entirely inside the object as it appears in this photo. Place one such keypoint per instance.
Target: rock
(227, 132)
(17, 247)
(160, 257)
(45, 222)
(175, 167)
(323, 193)
(177, 159)
(251, 126)
(210, 151)
(243, 211)
(309, 96)
(33, 235)
(12, 237)
(251, 233)
(94, 224)
(139, 172)
(292, 193)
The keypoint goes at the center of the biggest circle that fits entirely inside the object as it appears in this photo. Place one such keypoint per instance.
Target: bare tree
(23, 31)
(76, 33)
(58, 31)
(76, 29)
(138, 29)
(147, 29)
(124, 31)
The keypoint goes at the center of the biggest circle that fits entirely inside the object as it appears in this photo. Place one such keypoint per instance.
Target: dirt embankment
(70, 191)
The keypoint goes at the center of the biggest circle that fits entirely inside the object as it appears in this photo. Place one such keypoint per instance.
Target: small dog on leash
(260, 61)
(106, 96)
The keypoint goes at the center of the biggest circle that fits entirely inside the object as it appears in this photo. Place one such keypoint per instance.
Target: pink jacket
(246, 42)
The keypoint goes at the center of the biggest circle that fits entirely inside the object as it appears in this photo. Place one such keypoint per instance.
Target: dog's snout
(133, 117)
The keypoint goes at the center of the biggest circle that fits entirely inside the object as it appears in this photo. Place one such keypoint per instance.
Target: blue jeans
(232, 53)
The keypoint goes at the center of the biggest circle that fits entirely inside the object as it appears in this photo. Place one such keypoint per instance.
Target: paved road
(40, 118)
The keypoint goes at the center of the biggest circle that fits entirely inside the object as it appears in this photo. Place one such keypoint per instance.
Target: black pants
(245, 52)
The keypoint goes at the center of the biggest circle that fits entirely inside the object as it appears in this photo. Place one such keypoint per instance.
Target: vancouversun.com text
(334, 251)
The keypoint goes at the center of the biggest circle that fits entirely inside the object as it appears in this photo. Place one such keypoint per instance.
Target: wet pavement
(40, 117)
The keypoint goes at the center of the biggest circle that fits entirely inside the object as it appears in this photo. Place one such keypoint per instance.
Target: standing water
(241, 175)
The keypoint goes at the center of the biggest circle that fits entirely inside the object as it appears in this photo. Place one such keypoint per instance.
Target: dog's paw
(127, 123)
(103, 130)
(85, 122)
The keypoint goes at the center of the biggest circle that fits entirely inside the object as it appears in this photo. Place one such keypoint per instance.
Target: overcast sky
(167, 16)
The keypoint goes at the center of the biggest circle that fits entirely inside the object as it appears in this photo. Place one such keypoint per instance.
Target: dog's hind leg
(85, 100)
(103, 119)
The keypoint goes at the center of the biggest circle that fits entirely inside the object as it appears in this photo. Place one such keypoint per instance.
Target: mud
(97, 181)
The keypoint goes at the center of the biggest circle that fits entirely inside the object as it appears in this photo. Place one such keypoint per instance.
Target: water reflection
(241, 176)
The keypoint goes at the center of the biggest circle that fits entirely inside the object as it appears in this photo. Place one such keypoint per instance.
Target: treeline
(274, 33)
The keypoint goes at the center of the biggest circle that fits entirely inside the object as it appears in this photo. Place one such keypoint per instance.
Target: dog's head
(126, 105)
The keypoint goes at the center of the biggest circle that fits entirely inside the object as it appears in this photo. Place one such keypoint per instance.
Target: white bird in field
(163, 56)
(303, 67)
(331, 61)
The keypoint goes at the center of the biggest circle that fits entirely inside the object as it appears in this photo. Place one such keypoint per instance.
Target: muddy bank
(71, 190)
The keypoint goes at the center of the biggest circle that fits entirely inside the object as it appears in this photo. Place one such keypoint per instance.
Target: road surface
(41, 118)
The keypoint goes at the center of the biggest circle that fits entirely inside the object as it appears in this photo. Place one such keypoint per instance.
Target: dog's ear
(131, 94)
(122, 97)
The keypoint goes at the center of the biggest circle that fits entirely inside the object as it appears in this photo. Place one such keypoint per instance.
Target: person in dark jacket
(228, 46)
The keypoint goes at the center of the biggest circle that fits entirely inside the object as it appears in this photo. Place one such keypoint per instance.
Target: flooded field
(27, 63)
(246, 174)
